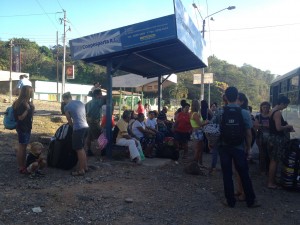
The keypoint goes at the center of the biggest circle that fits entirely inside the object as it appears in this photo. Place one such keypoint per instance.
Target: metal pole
(64, 57)
(208, 94)
(109, 106)
(10, 79)
(159, 81)
(202, 71)
(57, 79)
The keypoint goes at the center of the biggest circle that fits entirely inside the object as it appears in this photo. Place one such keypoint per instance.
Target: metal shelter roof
(134, 80)
(153, 48)
(165, 45)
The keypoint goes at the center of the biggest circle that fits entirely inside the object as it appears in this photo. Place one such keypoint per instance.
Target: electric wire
(260, 27)
(46, 14)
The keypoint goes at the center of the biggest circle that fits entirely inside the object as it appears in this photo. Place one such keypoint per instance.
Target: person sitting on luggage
(34, 160)
(125, 139)
(144, 135)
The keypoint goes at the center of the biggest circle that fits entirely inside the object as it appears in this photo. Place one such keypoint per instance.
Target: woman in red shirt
(182, 129)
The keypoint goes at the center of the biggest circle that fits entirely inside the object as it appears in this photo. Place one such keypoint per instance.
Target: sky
(262, 33)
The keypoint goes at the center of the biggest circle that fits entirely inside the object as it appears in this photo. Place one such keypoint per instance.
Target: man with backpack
(236, 137)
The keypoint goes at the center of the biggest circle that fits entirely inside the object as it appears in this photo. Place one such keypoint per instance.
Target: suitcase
(290, 173)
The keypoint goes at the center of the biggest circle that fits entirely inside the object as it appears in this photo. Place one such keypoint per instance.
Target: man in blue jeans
(232, 150)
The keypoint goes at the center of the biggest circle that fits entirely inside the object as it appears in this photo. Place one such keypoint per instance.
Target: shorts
(277, 146)
(182, 137)
(94, 130)
(24, 137)
(32, 167)
(198, 135)
(78, 138)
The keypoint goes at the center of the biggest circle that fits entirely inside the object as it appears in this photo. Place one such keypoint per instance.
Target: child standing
(34, 161)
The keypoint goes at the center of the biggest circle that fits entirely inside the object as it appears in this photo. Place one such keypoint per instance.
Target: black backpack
(115, 134)
(232, 126)
(61, 154)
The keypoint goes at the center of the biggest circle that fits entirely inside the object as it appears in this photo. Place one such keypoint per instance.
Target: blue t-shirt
(23, 82)
(76, 110)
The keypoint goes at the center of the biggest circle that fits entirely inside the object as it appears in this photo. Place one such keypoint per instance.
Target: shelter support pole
(208, 94)
(109, 104)
(202, 85)
(10, 70)
(120, 103)
(132, 99)
(159, 81)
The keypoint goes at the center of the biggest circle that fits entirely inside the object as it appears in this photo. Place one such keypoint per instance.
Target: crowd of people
(144, 132)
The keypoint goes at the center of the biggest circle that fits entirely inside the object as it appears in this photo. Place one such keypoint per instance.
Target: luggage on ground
(167, 149)
(290, 173)
(61, 154)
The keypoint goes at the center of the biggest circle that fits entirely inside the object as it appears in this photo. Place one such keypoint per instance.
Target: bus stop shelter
(165, 45)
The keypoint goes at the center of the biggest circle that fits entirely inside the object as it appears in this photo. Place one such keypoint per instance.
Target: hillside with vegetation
(43, 63)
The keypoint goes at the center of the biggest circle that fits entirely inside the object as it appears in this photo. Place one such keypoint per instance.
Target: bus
(289, 86)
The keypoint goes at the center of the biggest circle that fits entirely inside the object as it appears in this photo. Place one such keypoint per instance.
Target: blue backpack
(9, 120)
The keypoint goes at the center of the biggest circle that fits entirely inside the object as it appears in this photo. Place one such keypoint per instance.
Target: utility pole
(57, 79)
(64, 57)
(63, 80)
(203, 32)
(10, 70)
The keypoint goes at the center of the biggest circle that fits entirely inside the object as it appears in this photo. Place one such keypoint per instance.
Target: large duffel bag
(60, 153)
(167, 149)
(290, 172)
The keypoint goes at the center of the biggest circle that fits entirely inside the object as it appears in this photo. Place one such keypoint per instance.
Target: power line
(24, 15)
(46, 14)
(262, 27)
(60, 5)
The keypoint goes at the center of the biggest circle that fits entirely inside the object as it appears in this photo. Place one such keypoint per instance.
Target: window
(293, 97)
(294, 83)
(284, 86)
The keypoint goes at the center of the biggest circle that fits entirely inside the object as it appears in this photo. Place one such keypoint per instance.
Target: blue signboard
(188, 33)
(124, 38)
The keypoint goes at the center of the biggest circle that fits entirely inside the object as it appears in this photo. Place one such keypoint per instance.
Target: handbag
(212, 133)
(102, 141)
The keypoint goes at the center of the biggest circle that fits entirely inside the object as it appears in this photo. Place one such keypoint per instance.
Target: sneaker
(32, 176)
(137, 160)
(23, 170)
(225, 203)
(255, 204)
(39, 173)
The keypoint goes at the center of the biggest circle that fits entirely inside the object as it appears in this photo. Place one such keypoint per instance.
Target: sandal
(78, 173)
(241, 198)
(274, 187)
(23, 170)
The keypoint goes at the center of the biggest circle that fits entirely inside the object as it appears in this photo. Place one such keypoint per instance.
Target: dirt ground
(120, 192)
